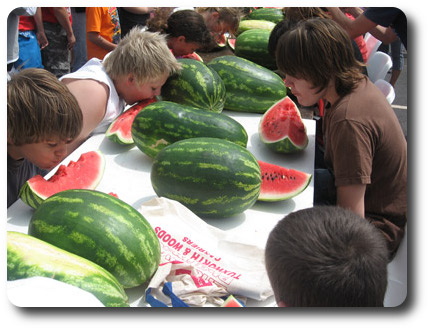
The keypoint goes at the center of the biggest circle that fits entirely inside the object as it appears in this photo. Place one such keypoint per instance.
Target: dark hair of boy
(327, 256)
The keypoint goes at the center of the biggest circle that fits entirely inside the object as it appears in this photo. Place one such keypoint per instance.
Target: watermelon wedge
(85, 173)
(193, 56)
(281, 128)
(280, 183)
(119, 130)
(232, 43)
(231, 301)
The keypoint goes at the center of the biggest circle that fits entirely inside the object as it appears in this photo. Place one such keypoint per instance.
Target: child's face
(181, 47)
(306, 93)
(45, 155)
(137, 92)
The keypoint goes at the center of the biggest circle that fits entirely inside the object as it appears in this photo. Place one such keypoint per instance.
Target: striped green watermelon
(250, 87)
(197, 86)
(165, 122)
(251, 24)
(119, 130)
(85, 173)
(268, 14)
(253, 45)
(100, 228)
(28, 256)
(280, 183)
(282, 129)
(214, 178)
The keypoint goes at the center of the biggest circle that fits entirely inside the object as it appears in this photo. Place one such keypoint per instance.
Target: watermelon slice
(281, 128)
(221, 40)
(119, 130)
(85, 173)
(280, 183)
(193, 56)
(231, 301)
(232, 43)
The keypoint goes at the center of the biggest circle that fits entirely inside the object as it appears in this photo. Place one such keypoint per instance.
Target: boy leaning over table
(365, 149)
(135, 70)
(43, 117)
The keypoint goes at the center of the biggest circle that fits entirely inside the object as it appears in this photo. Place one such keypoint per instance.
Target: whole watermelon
(100, 228)
(214, 178)
(250, 87)
(246, 25)
(197, 86)
(268, 14)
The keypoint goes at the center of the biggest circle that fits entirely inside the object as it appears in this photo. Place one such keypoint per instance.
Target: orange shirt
(99, 19)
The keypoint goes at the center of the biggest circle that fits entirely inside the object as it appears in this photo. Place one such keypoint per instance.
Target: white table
(127, 173)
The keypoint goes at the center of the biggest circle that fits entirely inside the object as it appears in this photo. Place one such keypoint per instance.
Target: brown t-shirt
(365, 145)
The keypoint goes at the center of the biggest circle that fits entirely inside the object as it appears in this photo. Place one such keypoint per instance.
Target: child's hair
(318, 50)
(40, 108)
(187, 23)
(327, 256)
(230, 16)
(145, 54)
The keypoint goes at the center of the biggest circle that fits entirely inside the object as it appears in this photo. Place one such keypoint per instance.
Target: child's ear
(215, 15)
(130, 79)
(181, 39)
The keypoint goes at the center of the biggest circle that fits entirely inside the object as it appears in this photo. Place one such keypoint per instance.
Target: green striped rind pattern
(250, 87)
(29, 196)
(252, 45)
(164, 123)
(100, 228)
(28, 256)
(197, 86)
(246, 25)
(214, 178)
(269, 14)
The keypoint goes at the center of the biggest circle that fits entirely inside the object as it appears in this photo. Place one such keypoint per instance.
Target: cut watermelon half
(281, 128)
(85, 173)
(232, 43)
(280, 183)
(119, 130)
(231, 301)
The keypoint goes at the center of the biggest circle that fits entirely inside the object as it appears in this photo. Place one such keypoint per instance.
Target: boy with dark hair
(326, 256)
(365, 149)
(43, 117)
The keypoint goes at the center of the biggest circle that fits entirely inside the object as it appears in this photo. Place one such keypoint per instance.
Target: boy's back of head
(327, 256)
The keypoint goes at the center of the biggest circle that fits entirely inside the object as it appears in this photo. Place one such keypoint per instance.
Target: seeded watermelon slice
(119, 130)
(281, 128)
(280, 183)
(231, 301)
(85, 173)
(231, 42)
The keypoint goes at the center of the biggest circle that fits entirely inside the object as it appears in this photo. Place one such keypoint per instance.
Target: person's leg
(398, 61)
(324, 188)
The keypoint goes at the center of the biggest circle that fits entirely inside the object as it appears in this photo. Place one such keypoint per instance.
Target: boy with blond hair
(134, 71)
(43, 117)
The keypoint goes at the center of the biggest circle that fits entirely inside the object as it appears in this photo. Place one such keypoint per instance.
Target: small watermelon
(231, 301)
(85, 173)
(119, 130)
(281, 128)
(280, 183)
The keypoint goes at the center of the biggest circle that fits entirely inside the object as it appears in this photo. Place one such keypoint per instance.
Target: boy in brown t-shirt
(365, 149)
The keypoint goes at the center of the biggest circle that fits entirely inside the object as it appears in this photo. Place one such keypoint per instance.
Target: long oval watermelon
(214, 178)
(197, 86)
(268, 14)
(85, 173)
(250, 87)
(119, 130)
(250, 24)
(100, 228)
(165, 122)
(280, 183)
(253, 45)
(282, 129)
(28, 256)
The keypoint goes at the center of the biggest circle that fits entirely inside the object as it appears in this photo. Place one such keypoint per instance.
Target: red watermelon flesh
(119, 130)
(280, 183)
(193, 56)
(232, 43)
(231, 301)
(282, 129)
(85, 173)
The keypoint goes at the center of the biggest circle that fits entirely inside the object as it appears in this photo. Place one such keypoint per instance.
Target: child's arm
(352, 197)
(99, 41)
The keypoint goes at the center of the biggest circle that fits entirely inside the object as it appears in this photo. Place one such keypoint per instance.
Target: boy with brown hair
(365, 149)
(326, 256)
(135, 70)
(43, 117)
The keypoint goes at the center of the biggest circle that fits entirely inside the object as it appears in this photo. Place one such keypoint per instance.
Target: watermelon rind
(32, 196)
(28, 256)
(273, 173)
(284, 143)
(231, 301)
(100, 228)
(212, 177)
(164, 123)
